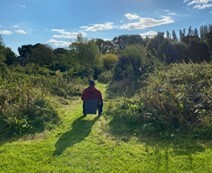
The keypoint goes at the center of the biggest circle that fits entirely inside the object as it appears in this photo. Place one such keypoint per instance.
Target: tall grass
(177, 98)
(24, 104)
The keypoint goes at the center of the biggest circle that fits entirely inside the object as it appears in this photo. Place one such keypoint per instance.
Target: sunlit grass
(85, 145)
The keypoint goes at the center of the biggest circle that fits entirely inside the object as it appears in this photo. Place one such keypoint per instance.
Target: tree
(42, 55)
(130, 63)
(198, 51)
(168, 35)
(109, 60)
(154, 46)
(190, 31)
(105, 46)
(196, 34)
(62, 60)
(2, 47)
(181, 34)
(181, 52)
(10, 57)
(87, 56)
(209, 41)
(87, 52)
(6, 54)
(167, 51)
(174, 36)
(24, 52)
(125, 40)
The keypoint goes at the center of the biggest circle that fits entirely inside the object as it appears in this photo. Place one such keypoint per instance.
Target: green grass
(85, 145)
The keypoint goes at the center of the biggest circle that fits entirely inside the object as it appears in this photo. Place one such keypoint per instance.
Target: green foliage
(33, 69)
(2, 57)
(131, 70)
(130, 62)
(23, 104)
(4, 71)
(181, 95)
(177, 98)
(64, 87)
(86, 52)
(123, 41)
(23, 109)
(109, 60)
(42, 55)
(64, 60)
(105, 77)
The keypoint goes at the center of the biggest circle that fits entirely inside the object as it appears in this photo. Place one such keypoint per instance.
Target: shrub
(109, 60)
(177, 98)
(130, 62)
(4, 71)
(181, 96)
(105, 77)
(23, 110)
(134, 65)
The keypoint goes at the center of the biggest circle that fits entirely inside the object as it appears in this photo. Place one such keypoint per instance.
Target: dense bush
(132, 69)
(130, 62)
(109, 60)
(181, 95)
(176, 98)
(105, 76)
(23, 104)
(64, 88)
(23, 109)
(54, 82)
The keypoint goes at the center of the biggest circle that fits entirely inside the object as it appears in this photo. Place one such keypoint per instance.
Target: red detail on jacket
(91, 93)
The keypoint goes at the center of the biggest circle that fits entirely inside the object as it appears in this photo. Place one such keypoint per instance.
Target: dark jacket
(91, 93)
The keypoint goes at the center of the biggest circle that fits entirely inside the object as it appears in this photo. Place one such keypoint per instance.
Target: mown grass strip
(84, 145)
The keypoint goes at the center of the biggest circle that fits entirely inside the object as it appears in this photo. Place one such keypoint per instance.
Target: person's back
(91, 93)
(90, 97)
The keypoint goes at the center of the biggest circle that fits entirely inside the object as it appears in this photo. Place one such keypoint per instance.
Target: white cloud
(98, 27)
(199, 4)
(201, 7)
(15, 26)
(65, 34)
(172, 14)
(143, 23)
(59, 43)
(58, 30)
(60, 39)
(132, 16)
(149, 34)
(5, 32)
(21, 5)
(20, 31)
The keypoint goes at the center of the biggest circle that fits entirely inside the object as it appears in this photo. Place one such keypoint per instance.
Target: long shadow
(78, 131)
(181, 143)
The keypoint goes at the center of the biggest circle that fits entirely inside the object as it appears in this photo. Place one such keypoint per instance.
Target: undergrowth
(175, 100)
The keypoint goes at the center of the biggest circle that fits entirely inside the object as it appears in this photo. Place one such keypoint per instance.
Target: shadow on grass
(181, 143)
(79, 130)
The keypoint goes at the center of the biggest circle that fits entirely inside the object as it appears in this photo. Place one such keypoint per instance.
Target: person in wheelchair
(92, 100)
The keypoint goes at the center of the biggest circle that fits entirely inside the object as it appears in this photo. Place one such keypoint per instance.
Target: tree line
(192, 45)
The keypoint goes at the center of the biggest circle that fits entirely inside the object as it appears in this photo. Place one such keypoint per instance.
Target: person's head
(91, 83)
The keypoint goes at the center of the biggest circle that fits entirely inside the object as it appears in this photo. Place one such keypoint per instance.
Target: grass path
(83, 145)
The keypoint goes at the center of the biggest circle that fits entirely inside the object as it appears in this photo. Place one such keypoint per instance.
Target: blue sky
(58, 22)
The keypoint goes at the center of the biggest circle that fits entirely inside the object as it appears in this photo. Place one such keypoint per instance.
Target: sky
(58, 22)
